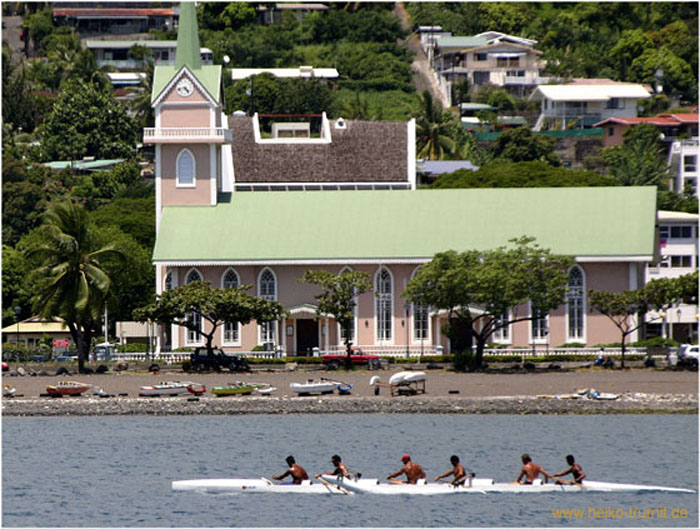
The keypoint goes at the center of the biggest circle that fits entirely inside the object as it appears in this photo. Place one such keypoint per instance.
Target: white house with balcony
(683, 164)
(678, 249)
(585, 102)
(491, 57)
(115, 53)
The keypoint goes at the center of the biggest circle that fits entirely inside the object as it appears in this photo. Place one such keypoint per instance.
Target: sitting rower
(530, 471)
(460, 475)
(339, 470)
(297, 472)
(413, 472)
(574, 469)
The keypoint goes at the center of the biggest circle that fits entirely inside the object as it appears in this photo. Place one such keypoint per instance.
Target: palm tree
(141, 103)
(434, 130)
(71, 283)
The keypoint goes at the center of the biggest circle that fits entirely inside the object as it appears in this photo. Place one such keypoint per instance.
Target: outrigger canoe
(484, 486)
(224, 486)
(337, 485)
(243, 388)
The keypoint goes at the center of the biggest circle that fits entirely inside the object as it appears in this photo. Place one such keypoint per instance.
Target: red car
(5, 366)
(334, 361)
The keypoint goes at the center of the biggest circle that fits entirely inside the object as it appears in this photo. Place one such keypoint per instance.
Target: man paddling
(574, 469)
(530, 471)
(297, 472)
(460, 475)
(413, 472)
(339, 470)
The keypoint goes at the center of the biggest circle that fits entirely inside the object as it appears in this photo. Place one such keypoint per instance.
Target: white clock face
(185, 87)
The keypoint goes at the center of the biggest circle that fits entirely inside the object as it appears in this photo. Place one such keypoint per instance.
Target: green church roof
(208, 75)
(188, 38)
(327, 226)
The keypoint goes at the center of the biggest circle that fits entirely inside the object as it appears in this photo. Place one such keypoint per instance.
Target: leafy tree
(133, 216)
(678, 77)
(638, 160)
(141, 103)
(479, 288)
(70, 278)
(337, 299)
(215, 306)
(626, 309)
(521, 174)
(434, 129)
(86, 120)
(522, 145)
(631, 45)
(39, 25)
(237, 14)
(15, 291)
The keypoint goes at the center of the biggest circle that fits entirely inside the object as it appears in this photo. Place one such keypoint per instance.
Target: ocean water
(117, 471)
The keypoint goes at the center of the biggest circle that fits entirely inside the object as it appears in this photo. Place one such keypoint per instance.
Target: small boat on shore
(67, 388)
(234, 388)
(231, 486)
(8, 391)
(196, 388)
(314, 387)
(265, 389)
(166, 388)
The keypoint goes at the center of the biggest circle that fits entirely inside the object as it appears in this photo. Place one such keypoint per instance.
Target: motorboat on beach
(67, 388)
(168, 389)
(325, 386)
(487, 485)
(232, 486)
(8, 391)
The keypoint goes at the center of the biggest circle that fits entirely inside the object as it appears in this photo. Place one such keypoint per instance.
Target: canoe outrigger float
(338, 485)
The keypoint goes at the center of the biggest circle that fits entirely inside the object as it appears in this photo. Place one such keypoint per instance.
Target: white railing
(177, 133)
(168, 358)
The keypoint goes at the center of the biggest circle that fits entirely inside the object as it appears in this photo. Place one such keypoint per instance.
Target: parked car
(5, 366)
(67, 357)
(36, 358)
(201, 361)
(688, 355)
(358, 358)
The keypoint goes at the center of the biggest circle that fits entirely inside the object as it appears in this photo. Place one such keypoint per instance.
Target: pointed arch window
(168, 283)
(575, 305)
(194, 336)
(267, 289)
(185, 168)
(539, 325)
(383, 286)
(231, 329)
(341, 330)
(421, 320)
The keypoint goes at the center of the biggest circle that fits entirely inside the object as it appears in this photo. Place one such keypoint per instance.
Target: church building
(237, 204)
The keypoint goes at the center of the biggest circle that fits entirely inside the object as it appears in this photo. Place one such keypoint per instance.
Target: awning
(301, 312)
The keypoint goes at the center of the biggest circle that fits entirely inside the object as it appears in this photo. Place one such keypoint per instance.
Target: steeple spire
(188, 38)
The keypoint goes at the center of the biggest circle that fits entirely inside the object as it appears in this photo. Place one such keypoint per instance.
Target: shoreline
(639, 390)
(420, 404)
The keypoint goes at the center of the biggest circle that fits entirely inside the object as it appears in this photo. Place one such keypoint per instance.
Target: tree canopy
(337, 298)
(626, 309)
(192, 305)
(483, 291)
(87, 121)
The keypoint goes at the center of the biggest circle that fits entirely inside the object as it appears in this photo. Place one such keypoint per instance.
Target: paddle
(329, 484)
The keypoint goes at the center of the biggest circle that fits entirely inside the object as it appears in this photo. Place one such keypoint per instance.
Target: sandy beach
(640, 390)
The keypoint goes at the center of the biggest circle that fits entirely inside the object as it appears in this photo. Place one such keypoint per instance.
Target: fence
(413, 351)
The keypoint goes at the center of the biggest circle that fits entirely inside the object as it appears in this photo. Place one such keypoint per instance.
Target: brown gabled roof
(365, 151)
(111, 12)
